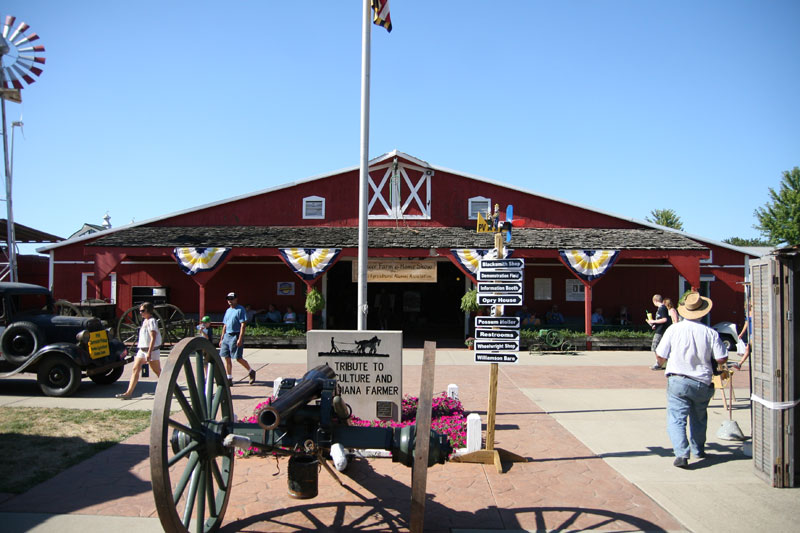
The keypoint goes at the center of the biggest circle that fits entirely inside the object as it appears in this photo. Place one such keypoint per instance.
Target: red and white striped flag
(381, 15)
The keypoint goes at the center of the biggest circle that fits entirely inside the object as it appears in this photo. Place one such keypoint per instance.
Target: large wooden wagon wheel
(190, 469)
(176, 326)
(129, 323)
(65, 308)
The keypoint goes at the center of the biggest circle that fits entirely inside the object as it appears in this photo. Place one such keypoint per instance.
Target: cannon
(194, 435)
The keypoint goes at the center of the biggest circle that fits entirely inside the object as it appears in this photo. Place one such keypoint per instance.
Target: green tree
(665, 217)
(738, 241)
(779, 219)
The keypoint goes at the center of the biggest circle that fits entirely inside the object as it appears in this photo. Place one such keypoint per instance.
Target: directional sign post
(500, 282)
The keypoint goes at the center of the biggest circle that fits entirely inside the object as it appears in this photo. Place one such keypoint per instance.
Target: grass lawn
(38, 443)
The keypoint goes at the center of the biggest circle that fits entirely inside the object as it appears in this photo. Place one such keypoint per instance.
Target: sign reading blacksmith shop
(368, 366)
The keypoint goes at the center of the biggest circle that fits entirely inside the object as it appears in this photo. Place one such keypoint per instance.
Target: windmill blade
(12, 79)
(35, 59)
(7, 25)
(26, 39)
(37, 48)
(20, 29)
(22, 74)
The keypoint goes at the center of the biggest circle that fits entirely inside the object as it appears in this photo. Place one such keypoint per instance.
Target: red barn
(418, 215)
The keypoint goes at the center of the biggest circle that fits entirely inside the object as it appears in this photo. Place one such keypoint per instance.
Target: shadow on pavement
(388, 509)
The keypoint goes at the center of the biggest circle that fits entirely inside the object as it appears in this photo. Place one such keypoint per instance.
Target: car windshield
(31, 304)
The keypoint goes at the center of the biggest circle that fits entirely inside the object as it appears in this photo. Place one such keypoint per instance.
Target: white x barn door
(398, 190)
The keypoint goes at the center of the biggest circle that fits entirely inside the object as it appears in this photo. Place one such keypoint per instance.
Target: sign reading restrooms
(368, 366)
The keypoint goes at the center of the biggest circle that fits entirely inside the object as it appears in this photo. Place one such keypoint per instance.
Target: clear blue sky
(149, 107)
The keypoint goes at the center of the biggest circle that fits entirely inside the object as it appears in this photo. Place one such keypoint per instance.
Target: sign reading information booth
(368, 366)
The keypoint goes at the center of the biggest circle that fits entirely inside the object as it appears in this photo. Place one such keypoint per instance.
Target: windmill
(19, 66)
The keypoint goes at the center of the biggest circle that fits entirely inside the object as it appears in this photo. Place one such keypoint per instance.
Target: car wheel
(729, 342)
(107, 378)
(19, 341)
(58, 376)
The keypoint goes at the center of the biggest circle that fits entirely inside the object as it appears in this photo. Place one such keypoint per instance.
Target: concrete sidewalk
(592, 426)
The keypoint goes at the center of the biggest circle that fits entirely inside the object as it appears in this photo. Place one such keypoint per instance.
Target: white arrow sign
(509, 299)
(496, 346)
(481, 357)
(497, 321)
(515, 264)
(500, 275)
(497, 334)
(500, 288)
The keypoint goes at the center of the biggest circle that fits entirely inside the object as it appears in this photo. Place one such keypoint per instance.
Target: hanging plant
(314, 301)
(469, 302)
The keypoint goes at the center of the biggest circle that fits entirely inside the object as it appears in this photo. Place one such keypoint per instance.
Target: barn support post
(202, 279)
(309, 314)
(587, 311)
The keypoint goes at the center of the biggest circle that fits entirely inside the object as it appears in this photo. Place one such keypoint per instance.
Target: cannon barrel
(305, 390)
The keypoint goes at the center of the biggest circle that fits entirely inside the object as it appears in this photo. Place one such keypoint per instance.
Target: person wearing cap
(231, 340)
(204, 328)
(687, 349)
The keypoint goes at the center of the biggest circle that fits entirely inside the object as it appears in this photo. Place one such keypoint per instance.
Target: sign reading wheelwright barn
(368, 366)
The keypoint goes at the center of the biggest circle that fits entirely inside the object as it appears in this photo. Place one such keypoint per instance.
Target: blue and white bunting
(194, 260)
(589, 265)
(309, 263)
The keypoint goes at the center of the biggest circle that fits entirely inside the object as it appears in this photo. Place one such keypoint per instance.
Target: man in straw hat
(687, 348)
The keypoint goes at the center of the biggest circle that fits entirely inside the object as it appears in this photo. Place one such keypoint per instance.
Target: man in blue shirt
(231, 341)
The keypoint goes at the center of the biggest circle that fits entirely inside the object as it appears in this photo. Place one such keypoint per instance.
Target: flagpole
(363, 177)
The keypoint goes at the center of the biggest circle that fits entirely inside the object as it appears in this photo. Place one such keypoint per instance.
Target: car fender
(63, 348)
(729, 328)
(80, 357)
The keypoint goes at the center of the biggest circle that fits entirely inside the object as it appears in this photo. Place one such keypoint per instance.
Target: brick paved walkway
(562, 486)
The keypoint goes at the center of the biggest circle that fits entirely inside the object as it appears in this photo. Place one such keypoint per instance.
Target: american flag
(381, 16)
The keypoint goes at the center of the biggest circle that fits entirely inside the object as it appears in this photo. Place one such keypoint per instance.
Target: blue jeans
(687, 398)
(228, 347)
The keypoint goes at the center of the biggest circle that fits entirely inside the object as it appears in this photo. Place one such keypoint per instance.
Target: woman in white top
(149, 344)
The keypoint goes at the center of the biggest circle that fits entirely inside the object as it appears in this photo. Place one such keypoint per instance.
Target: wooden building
(418, 215)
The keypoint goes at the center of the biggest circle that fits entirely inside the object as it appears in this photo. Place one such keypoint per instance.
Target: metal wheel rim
(171, 321)
(128, 326)
(129, 323)
(65, 308)
(201, 472)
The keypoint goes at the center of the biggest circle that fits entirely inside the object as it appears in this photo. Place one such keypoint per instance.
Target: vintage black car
(61, 350)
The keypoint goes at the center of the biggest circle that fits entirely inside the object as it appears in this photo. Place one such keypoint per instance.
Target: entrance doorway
(423, 311)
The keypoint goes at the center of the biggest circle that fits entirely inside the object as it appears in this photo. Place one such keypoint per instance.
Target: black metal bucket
(303, 476)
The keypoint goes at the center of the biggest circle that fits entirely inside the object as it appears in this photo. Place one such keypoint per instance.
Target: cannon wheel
(191, 471)
(174, 324)
(65, 308)
(129, 323)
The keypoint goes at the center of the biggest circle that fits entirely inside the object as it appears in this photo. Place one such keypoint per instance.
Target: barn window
(478, 204)
(314, 207)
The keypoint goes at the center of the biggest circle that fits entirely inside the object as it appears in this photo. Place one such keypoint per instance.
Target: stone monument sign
(368, 366)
